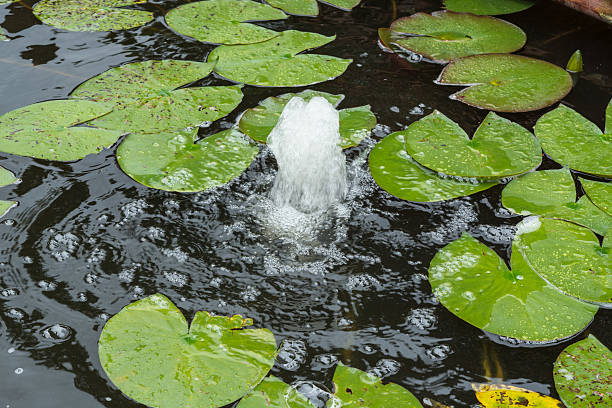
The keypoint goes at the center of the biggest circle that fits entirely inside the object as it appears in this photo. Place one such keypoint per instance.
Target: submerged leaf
(6, 178)
(599, 193)
(488, 7)
(272, 392)
(518, 399)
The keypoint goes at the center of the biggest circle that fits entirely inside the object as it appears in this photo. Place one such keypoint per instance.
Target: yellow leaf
(513, 398)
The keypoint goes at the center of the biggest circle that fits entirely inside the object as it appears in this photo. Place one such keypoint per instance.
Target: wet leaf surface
(278, 62)
(297, 7)
(515, 398)
(445, 35)
(272, 392)
(475, 284)
(572, 140)
(583, 374)
(6, 178)
(152, 355)
(224, 21)
(600, 193)
(506, 82)
(488, 7)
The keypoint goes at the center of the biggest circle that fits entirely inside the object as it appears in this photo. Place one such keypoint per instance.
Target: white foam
(529, 224)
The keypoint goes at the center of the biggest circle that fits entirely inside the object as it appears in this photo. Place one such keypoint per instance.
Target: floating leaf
(272, 392)
(7, 1)
(47, 130)
(151, 354)
(599, 193)
(6, 178)
(583, 374)
(278, 62)
(346, 5)
(488, 7)
(355, 123)
(3, 37)
(224, 21)
(499, 148)
(176, 162)
(574, 141)
(514, 398)
(475, 284)
(575, 62)
(356, 388)
(445, 35)
(506, 82)
(398, 174)
(296, 7)
(570, 258)
(552, 193)
(148, 101)
(91, 15)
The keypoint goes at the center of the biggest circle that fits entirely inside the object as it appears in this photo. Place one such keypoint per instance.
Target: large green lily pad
(91, 15)
(399, 175)
(583, 374)
(152, 355)
(272, 392)
(355, 123)
(445, 35)
(47, 130)
(356, 388)
(488, 7)
(600, 193)
(6, 178)
(475, 284)
(278, 62)
(224, 21)
(176, 162)
(499, 148)
(570, 258)
(552, 193)
(310, 7)
(506, 82)
(147, 100)
(574, 141)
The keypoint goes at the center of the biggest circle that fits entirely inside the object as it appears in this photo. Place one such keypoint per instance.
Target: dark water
(86, 240)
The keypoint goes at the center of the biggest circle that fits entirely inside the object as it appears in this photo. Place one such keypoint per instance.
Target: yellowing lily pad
(488, 7)
(506, 82)
(278, 62)
(445, 35)
(574, 141)
(154, 357)
(91, 15)
(272, 392)
(6, 178)
(499, 148)
(224, 21)
(518, 399)
(600, 193)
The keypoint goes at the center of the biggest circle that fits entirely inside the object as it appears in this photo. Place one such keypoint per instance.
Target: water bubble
(316, 393)
(422, 319)
(250, 294)
(439, 352)
(175, 253)
(9, 293)
(362, 283)
(19, 371)
(385, 367)
(58, 333)
(176, 278)
(292, 354)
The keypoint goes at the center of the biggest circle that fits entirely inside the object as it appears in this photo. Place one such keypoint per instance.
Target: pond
(350, 286)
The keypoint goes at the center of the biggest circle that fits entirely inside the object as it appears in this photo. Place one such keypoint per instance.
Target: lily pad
(2, 2)
(48, 130)
(506, 82)
(310, 7)
(475, 284)
(176, 162)
(272, 392)
(278, 62)
(355, 123)
(500, 148)
(152, 355)
(445, 35)
(399, 175)
(224, 21)
(488, 7)
(356, 388)
(570, 258)
(552, 193)
(147, 100)
(91, 15)
(599, 193)
(574, 141)
(6, 178)
(583, 374)
(515, 398)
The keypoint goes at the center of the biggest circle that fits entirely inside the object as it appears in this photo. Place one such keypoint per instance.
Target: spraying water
(311, 166)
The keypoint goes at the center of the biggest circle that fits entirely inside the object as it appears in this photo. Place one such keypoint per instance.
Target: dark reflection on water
(86, 240)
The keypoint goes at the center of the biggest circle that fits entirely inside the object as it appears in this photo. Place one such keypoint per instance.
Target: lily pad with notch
(154, 357)
(488, 7)
(310, 7)
(273, 392)
(7, 178)
(506, 82)
(600, 193)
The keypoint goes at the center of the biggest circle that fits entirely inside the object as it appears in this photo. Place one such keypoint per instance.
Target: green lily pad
(355, 123)
(570, 258)
(583, 374)
(152, 355)
(599, 193)
(47, 130)
(488, 7)
(91, 15)
(506, 82)
(272, 392)
(399, 175)
(574, 141)
(224, 21)
(176, 162)
(356, 388)
(575, 65)
(500, 148)
(278, 62)
(445, 35)
(310, 7)
(147, 99)
(7, 1)
(6, 178)
(3, 36)
(475, 284)
(552, 193)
